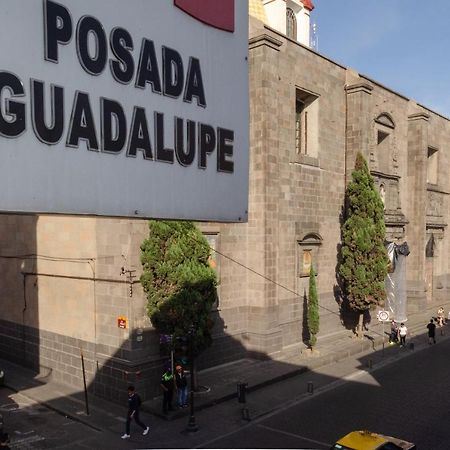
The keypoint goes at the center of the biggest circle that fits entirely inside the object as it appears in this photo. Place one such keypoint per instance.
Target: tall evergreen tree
(179, 282)
(364, 257)
(313, 309)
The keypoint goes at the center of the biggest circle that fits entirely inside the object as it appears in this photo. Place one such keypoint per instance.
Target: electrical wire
(323, 308)
(90, 260)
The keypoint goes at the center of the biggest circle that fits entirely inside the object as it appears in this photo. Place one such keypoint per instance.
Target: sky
(402, 44)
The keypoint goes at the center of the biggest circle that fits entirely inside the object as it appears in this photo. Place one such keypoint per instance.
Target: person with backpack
(134, 405)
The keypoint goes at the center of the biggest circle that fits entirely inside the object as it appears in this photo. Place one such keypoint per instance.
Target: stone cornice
(436, 188)
(386, 176)
(419, 116)
(359, 87)
(264, 39)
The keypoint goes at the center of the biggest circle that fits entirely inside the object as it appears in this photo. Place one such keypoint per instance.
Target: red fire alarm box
(122, 322)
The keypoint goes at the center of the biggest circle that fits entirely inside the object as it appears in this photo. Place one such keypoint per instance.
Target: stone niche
(389, 188)
(308, 253)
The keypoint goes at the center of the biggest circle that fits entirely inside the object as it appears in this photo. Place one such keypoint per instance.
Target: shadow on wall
(128, 366)
(19, 308)
(24, 341)
(349, 319)
(336, 422)
(305, 328)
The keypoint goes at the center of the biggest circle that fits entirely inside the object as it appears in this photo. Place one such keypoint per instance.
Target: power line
(265, 277)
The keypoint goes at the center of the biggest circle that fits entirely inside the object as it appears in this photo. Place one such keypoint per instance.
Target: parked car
(366, 440)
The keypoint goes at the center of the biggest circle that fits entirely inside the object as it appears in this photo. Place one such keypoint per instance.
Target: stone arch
(385, 119)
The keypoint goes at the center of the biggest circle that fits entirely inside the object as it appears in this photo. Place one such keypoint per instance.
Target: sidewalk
(336, 358)
(222, 380)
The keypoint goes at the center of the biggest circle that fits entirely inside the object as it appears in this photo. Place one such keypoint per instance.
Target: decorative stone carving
(435, 201)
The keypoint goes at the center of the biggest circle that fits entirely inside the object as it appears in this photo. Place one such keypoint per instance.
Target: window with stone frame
(384, 143)
(306, 124)
(291, 24)
(432, 165)
(308, 252)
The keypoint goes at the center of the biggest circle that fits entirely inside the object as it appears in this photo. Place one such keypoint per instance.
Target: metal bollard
(310, 388)
(241, 392)
(369, 363)
(246, 414)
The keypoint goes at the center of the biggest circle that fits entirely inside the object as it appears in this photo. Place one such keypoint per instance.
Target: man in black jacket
(134, 404)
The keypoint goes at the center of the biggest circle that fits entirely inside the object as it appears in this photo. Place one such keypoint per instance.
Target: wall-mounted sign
(122, 322)
(383, 316)
(123, 109)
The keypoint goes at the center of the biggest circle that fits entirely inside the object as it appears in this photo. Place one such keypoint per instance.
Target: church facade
(309, 116)
(70, 284)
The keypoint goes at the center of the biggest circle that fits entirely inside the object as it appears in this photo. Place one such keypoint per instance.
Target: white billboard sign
(133, 108)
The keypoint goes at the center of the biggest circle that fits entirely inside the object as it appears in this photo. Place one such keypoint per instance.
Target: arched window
(291, 24)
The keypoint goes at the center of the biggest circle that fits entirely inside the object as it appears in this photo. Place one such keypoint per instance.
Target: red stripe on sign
(216, 13)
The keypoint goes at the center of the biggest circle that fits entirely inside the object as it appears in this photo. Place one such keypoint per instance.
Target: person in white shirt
(402, 332)
(440, 317)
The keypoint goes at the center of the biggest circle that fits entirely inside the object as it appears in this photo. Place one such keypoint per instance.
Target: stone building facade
(70, 284)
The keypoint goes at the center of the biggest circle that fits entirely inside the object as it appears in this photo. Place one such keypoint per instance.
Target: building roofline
(371, 80)
(303, 46)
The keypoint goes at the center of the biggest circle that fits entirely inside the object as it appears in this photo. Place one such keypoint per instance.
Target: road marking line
(28, 440)
(72, 422)
(295, 435)
(23, 433)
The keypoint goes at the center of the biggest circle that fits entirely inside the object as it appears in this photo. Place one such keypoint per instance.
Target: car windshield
(390, 446)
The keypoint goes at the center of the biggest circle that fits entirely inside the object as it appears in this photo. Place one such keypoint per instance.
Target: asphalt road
(34, 426)
(409, 399)
(407, 396)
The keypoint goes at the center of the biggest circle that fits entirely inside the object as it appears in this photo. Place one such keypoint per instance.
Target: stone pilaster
(263, 333)
(358, 123)
(417, 187)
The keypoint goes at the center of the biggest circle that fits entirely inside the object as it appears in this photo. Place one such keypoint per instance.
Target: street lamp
(192, 426)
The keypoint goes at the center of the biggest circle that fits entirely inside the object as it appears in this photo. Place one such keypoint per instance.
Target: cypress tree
(313, 309)
(364, 257)
(178, 280)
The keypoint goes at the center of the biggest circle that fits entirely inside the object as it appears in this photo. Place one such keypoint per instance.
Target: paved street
(409, 399)
(404, 394)
(33, 426)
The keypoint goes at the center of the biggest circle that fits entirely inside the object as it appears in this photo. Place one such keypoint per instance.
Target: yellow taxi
(365, 440)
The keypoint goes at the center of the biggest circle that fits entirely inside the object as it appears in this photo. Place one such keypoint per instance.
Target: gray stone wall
(66, 280)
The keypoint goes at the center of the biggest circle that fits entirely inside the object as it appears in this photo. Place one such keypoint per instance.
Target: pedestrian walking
(440, 317)
(402, 332)
(431, 332)
(134, 405)
(167, 385)
(182, 387)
